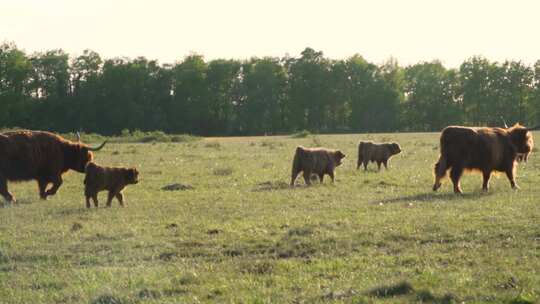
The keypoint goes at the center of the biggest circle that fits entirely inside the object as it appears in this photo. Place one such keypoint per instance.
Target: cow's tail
(360, 155)
(297, 163)
(4, 143)
(440, 169)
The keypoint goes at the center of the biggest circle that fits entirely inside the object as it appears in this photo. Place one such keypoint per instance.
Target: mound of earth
(177, 187)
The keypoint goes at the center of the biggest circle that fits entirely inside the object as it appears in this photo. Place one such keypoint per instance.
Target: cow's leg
(307, 175)
(87, 201)
(486, 174)
(293, 176)
(120, 198)
(455, 175)
(385, 163)
(95, 199)
(510, 174)
(331, 173)
(4, 190)
(321, 177)
(378, 165)
(110, 196)
(57, 182)
(42, 185)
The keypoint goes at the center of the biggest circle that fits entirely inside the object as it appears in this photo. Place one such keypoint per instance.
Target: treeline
(53, 91)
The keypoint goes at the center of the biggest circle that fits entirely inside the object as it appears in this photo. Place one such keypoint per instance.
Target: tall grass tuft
(301, 134)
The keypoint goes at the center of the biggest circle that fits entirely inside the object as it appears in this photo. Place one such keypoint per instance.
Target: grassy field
(241, 235)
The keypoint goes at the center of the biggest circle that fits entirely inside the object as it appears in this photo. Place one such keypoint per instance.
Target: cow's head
(132, 176)
(522, 139)
(338, 156)
(83, 154)
(395, 148)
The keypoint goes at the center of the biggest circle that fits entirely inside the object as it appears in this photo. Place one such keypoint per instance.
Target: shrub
(301, 134)
(223, 171)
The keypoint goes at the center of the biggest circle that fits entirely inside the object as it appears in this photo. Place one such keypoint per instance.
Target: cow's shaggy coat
(379, 153)
(319, 161)
(40, 156)
(112, 179)
(482, 149)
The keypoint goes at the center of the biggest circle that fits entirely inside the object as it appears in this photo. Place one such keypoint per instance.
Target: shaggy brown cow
(482, 149)
(379, 153)
(111, 179)
(318, 161)
(40, 156)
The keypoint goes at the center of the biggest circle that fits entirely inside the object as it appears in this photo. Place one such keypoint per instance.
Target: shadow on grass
(434, 196)
(388, 291)
(108, 299)
(72, 211)
(425, 296)
(295, 243)
(6, 204)
(406, 289)
(271, 186)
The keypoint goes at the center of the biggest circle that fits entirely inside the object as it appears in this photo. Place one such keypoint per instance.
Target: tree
(432, 101)
(373, 95)
(308, 90)
(221, 77)
(514, 86)
(338, 107)
(189, 108)
(15, 69)
(262, 108)
(50, 83)
(475, 76)
(85, 75)
(533, 106)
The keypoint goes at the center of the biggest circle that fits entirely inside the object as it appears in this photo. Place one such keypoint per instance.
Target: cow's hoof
(436, 187)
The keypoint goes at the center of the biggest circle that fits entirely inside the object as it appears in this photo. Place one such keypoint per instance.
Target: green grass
(301, 134)
(241, 235)
(127, 136)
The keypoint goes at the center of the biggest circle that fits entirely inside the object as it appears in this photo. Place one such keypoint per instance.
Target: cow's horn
(504, 121)
(78, 136)
(97, 148)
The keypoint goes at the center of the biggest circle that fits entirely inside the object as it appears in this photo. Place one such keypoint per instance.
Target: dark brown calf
(379, 153)
(111, 179)
(318, 161)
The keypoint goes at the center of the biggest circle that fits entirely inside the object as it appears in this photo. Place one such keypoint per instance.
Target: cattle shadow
(271, 186)
(434, 197)
(76, 211)
(19, 202)
(370, 170)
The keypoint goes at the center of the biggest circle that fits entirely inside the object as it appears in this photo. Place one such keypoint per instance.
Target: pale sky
(409, 30)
